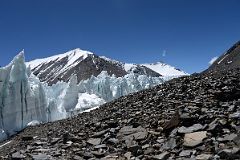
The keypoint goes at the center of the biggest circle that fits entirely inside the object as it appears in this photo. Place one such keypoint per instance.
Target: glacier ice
(109, 87)
(94, 91)
(25, 101)
(3, 135)
(69, 97)
(22, 98)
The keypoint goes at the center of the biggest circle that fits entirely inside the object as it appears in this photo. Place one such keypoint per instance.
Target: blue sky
(189, 32)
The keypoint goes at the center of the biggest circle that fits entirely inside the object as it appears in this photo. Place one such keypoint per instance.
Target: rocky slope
(196, 117)
(229, 60)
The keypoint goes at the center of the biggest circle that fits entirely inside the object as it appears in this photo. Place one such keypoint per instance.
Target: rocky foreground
(196, 117)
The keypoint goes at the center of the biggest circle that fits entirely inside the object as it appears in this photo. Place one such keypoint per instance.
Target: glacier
(109, 87)
(72, 98)
(25, 101)
(22, 98)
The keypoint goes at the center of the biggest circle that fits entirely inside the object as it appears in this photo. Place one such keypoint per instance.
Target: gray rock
(129, 141)
(99, 134)
(41, 156)
(186, 153)
(94, 141)
(235, 115)
(194, 139)
(100, 146)
(87, 155)
(54, 141)
(148, 151)
(162, 156)
(77, 158)
(128, 155)
(154, 133)
(213, 125)
(17, 156)
(39, 143)
(204, 157)
(130, 134)
(229, 137)
(99, 153)
(226, 153)
(138, 133)
(113, 141)
(170, 144)
(195, 127)
(236, 140)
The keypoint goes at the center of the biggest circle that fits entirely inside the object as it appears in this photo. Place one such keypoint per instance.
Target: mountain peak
(71, 56)
(78, 52)
(158, 62)
(85, 64)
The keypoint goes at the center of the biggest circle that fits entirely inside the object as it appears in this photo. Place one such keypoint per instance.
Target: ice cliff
(109, 87)
(22, 98)
(72, 97)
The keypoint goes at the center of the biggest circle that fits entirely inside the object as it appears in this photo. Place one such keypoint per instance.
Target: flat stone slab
(94, 141)
(194, 139)
(194, 128)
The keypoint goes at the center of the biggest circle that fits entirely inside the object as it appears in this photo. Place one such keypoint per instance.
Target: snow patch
(5, 143)
(110, 60)
(128, 66)
(87, 101)
(89, 110)
(165, 69)
(33, 123)
(223, 58)
(213, 60)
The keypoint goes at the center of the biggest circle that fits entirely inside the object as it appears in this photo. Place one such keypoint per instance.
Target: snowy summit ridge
(85, 64)
(72, 55)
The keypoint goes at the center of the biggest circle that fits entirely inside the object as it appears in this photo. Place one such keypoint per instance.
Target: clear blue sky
(190, 31)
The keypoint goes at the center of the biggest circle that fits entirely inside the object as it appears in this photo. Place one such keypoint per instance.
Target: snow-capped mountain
(84, 64)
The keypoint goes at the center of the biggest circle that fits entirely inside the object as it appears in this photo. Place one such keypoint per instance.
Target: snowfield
(165, 69)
